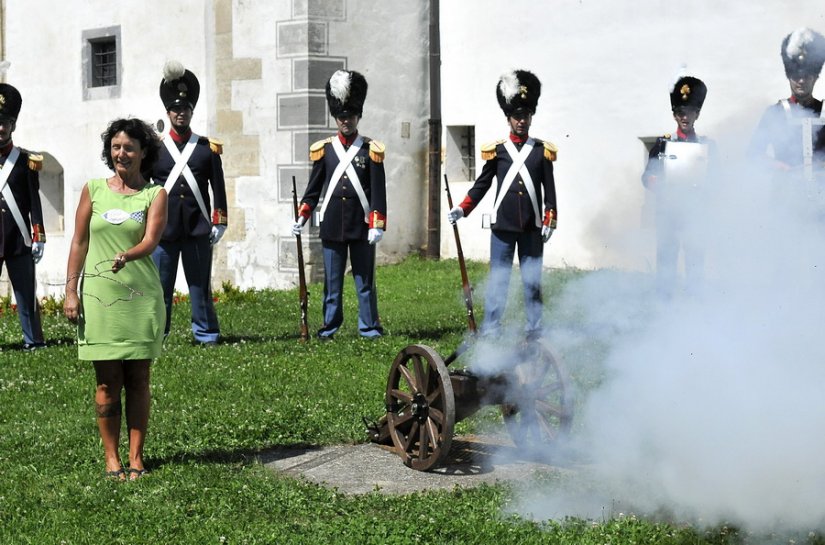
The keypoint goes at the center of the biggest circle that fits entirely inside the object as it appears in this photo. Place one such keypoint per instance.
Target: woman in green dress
(113, 290)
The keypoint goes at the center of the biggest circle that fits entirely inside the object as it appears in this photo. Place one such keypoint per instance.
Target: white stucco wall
(45, 52)
(396, 72)
(605, 69)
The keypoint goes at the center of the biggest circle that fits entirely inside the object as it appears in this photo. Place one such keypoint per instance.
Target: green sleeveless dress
(123, 314)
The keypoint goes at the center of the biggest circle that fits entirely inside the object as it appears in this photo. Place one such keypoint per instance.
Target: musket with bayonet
(302, 281)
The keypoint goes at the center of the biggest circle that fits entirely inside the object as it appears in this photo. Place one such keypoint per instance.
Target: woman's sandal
(116, 475)
(135, 474)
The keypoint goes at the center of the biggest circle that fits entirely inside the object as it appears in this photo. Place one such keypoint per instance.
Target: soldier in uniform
(790, 135)
(676, 170)
(23, 237)
(188, 165)
(522, 167)
(348, 180)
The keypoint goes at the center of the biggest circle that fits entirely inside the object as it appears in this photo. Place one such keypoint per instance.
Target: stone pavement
(363, 468)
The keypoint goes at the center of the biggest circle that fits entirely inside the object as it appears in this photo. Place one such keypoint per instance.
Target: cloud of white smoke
(711, 403)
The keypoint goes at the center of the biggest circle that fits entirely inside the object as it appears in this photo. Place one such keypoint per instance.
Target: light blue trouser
(196, 255)
(502, 250)
(362, 258)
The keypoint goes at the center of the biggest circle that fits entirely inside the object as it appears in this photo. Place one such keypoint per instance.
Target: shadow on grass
(253, 339)
(61, 341)
(228, 456)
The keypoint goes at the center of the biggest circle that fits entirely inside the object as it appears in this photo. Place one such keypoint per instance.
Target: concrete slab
(359, 469)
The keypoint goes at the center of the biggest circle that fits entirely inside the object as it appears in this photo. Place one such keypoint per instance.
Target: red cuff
(550, 218)
(377, 220)
(467, 205)
(219, 217)
(304, 210)
(38, 233)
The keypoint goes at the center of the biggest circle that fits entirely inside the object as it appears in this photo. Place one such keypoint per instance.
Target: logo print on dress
(116, 216)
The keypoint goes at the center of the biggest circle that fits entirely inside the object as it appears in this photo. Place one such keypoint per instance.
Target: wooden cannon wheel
(539, 408)
(420, 407)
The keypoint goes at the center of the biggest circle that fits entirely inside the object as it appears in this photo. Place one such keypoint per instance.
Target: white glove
(37, 251)
(455, 214)
(375, 236)
(546, 232)
(217, 233)
(298, 226)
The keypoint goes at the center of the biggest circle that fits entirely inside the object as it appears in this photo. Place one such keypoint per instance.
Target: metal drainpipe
(2, 37)
(434, 155)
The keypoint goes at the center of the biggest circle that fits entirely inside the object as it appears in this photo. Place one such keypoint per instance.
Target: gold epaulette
(667, 136)
(35, 161)
(377, 151)
(215, 145)
(550, 151)
(488, 151)
(316, 150)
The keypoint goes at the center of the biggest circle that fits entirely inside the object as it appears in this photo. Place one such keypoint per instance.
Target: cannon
(424, 400)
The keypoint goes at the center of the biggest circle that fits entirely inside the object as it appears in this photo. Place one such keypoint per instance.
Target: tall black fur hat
(688, 92)
(178, 86)
(346, 93)
(10, 101)
(518, 91)
(803, 52)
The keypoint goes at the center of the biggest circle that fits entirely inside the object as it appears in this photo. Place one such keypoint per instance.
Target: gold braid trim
(377, 151)
(316, 150)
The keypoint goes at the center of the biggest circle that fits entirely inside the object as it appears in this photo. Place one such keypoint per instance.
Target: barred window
(468, 152)
(104, 62)
(461, 152)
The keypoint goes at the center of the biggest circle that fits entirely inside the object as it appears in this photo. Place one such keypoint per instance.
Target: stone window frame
(96, 35)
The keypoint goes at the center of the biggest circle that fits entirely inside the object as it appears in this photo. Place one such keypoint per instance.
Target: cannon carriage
(425, 399)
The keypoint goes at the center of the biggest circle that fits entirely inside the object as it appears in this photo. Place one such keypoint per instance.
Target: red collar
(810, 105)
(180, 138)
(687, 137)
(347, 140)
(516, 139)
(5, 150)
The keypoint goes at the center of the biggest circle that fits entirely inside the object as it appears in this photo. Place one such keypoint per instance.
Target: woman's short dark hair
(137, 130)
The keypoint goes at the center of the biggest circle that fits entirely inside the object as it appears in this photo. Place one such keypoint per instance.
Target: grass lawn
(213, 409)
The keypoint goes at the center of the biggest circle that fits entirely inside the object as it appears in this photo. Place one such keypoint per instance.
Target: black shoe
(31, 347)
(533, 336)
(206, 344)
(326, 338)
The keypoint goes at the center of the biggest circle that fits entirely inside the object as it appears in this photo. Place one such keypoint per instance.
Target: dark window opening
(104, 62)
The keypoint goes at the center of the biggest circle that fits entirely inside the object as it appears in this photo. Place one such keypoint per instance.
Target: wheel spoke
(420, 374)
(547, 389)
(543, 407)
(410, 439)
(401, 395)
(433, 433)
(434, 396)
(437, 415)
(547, 427)
(408, 377)
(423, 442)
(400, 420)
